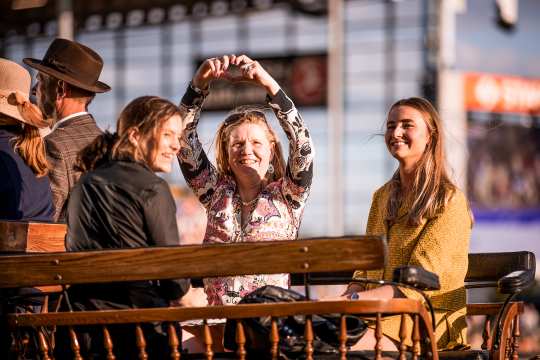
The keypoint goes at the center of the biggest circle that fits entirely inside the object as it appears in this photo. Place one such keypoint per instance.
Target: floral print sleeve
(200, 174)
(299, 172)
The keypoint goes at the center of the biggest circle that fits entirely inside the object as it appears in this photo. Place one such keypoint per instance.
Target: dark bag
(291, 329)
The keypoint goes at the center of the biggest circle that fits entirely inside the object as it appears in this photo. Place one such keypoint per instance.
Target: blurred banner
(504, 147)
(302, 77)
(502, 94)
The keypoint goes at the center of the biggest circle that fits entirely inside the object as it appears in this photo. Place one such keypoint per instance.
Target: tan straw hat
(13, 79)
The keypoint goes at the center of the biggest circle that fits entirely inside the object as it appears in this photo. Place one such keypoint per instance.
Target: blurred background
(344, 62)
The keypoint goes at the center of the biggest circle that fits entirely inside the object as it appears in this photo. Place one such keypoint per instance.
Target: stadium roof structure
(32, 18)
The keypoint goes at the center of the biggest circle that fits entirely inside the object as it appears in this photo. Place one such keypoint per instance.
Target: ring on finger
(247, 66)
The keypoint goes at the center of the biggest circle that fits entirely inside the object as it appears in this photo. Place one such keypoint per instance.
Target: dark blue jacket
(23, 196)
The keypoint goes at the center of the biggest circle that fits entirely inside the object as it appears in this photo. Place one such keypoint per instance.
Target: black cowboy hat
(72, 62)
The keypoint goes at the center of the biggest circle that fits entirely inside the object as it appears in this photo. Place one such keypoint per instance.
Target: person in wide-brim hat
(66, 83)
(25, 191)
(73, 63)
(14, 95)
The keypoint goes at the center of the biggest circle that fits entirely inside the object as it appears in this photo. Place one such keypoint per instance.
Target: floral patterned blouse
(278, 209)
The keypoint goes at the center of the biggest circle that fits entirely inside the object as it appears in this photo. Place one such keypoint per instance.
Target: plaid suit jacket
(63, 146)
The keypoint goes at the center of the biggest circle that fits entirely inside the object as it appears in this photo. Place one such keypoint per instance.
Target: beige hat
(15, 84)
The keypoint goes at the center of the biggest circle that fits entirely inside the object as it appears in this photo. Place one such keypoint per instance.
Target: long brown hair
(431, 188)
(146, 115)
(250, 115)
(29, 144)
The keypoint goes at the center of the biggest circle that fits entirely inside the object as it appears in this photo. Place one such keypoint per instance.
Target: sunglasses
(242, 114)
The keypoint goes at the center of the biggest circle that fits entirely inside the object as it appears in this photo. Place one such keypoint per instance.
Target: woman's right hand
(212, 69)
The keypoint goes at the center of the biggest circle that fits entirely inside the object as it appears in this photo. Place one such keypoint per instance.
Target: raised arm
(200, 174)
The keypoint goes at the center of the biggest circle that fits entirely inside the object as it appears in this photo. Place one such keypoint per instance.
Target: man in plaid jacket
(67, 82)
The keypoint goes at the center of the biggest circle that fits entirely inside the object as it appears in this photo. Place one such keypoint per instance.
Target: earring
(270, 169)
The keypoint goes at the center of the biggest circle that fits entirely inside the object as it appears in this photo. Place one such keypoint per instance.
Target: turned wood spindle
(416, 337)
(308, 335)
(343, 338)
(43, 346)
(378, 337)
(173, 342)
(240, 340)
(516, 333)
(108, 343)
(75, 344)
(208, 341)
(402, 337)
(274, 339)
(141, 342)
(486, 334)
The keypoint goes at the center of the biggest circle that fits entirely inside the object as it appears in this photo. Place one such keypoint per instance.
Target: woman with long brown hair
(120, 203)
(25, 189)
(426, 220)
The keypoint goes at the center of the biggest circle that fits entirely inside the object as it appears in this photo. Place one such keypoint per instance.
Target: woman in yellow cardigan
(426, 220)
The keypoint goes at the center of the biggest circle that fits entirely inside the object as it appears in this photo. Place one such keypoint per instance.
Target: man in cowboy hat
(67, 82)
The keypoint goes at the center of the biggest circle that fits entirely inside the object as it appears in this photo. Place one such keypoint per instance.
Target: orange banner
(502, 94)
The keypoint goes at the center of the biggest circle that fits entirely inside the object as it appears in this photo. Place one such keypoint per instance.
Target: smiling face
(166, 145)
(407, 135)
(249, 150)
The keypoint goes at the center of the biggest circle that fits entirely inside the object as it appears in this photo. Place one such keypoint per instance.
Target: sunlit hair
(29, 144)
(146, 115)
(250, 115)
(431, 188)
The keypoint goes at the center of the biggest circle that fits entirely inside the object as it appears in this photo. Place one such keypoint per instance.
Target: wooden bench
(317, 261)
(301, 256)
(486, 270)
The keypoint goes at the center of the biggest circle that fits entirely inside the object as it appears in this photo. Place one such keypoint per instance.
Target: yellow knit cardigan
(440, 245)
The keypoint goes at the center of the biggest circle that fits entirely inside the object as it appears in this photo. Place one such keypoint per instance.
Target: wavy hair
(251, 115)
(29, 144)
(146, 115)
(431, 187)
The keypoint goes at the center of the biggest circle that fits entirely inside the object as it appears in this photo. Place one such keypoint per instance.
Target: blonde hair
(250, 115)
(431, 188)
(29, 144)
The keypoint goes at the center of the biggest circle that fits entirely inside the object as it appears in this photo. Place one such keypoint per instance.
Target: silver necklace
(249, 203)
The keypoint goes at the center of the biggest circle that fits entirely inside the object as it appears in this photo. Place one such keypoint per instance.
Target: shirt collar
(64, 119)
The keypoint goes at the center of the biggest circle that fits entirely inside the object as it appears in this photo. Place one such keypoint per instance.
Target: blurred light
(219, 8)
(507, 13)
(93, 22)
(27, 4)
(135, 18)
(177, 12)
(156, 15)
(114, 20)
(200, 9)
(51, 28)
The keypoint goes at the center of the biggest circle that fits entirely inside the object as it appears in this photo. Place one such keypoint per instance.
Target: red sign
(502, 94)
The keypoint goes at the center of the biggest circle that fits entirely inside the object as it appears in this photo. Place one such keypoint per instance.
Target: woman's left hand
(253, 72)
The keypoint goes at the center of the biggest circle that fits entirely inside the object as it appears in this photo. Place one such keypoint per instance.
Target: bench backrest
(298, 256)
(484, 270)
(488, 268)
